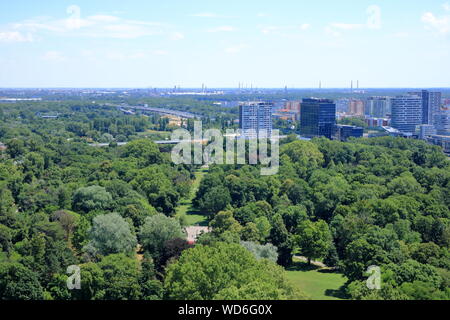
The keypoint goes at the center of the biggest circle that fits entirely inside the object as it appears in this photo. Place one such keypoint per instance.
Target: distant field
(318, 284)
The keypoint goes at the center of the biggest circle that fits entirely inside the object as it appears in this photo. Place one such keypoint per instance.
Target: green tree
(313, 239)
(121, 277)
(109, 234)
(305, 155)
(152, 288)
(8, 214)
(5, 238)
(215, 200)
(156, 230)
(92, 283)
(223, 271)
(281, 238)
(145, 150)
(264, 227)
(17, 282)
(91, 198)
(359, 255)
(250, 232)
(267, 251)
(224, 221)
(404, 184)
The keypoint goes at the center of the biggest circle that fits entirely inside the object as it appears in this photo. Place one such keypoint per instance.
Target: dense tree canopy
(156, 231)
(116, 211)
(226, 271)
(109, 234)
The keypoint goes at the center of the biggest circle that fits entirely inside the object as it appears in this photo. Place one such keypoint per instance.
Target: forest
(112, 212)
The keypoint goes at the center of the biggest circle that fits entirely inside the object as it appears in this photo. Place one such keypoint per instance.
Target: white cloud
(440, 25)
(446, 6)
(401, 35)
(373, 22)
(346, 26)
(236, 49)
(211, 15)
(205, 15)
(99, 26)
(285, 31)
(159, 52)
(15, 36)
(177, 36)
(137, 55)
(332, 32)
(116, 56)
(269, 29)
(122, 56)
(42, 24)
(305, 26)
(87, 53)
(223, 29)
(125, 31)
(104, 18)
(262, 14)
(54, 56)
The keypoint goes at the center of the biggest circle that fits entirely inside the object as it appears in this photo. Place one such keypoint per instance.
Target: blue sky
(110, 43)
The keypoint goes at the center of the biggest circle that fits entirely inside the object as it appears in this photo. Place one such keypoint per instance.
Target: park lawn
(317, 283)
(193, 217)
(196, 219)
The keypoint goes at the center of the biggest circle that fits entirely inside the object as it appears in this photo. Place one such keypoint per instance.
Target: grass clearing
(193, 216)
(317, 283)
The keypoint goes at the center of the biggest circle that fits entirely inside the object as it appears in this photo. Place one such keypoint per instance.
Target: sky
(266, 44)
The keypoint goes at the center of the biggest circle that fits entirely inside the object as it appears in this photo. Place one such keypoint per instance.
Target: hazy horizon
(142, 44)
(218, 88)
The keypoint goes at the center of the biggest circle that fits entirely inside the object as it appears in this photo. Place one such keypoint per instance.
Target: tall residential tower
(431, 105)
(406, 113)
(255, 119)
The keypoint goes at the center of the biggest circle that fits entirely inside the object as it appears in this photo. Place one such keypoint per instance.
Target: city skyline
(142, 44)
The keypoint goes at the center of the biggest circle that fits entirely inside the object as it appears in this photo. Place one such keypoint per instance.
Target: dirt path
(315, 263)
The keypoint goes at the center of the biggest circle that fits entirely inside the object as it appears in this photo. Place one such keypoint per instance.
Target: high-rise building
(426, 130)
(255, 119)
(317, 118)
(377, 107)
(443, 141)
(356, 107)
(442, 122)
(446, 104)
(292, 106)
(431, 105)
(342, 105)
(406, 113)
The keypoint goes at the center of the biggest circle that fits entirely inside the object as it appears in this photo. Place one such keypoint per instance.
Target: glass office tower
(318, 118)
